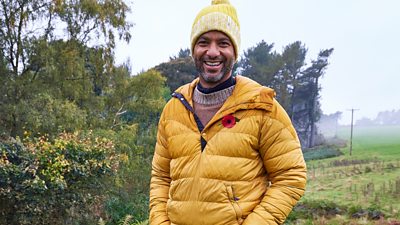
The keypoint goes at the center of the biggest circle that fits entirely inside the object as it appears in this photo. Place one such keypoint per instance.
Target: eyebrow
(203, 39)
(219, 40)
(225, 39)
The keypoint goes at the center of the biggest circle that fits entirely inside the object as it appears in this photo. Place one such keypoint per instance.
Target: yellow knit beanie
(219, 16)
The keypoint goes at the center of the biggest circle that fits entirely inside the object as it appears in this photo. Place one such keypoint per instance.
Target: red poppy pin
(229, 121)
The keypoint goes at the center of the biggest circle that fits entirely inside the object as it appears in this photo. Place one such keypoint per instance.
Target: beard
(227, 68)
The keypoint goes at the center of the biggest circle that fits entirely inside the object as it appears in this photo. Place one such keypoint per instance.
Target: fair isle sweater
(207, 101)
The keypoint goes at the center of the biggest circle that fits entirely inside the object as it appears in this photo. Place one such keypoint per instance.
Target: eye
(225, 44)
(202, 43)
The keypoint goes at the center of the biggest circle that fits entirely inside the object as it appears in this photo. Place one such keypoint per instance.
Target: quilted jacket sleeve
(284, 162)
(160, 179)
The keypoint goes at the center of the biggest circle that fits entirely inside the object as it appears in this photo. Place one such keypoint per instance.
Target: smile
(208, 63)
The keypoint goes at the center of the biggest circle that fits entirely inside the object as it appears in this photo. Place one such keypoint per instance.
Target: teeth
(213, 63)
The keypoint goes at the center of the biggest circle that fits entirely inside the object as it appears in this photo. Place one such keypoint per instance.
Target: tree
(183, 53)
(314, 72)
(135, 104)
(23, 21)
(37, 57)
(179, 70)
(260, 64)
(54, 80)
(388, 118)
(296, 85)
(293, 57)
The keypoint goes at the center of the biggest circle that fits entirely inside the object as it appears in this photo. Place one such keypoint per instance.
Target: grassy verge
(369, 178)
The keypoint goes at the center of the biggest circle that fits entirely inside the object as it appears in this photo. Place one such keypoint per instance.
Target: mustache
(207, 58)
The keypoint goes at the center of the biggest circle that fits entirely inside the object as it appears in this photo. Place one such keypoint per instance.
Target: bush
(48, 115)
(308, 210)
(321, 152)
(368, 169)
(129, 193)
(54, 182)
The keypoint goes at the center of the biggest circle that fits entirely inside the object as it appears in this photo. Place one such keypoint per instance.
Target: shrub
(54, 182)
(368, 169)
(321, 152)
(129, 193)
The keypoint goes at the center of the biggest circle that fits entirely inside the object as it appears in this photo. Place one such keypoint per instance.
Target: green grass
(380, 141)
(370, 177)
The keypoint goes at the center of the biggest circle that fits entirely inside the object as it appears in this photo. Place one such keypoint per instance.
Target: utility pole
(351, 130)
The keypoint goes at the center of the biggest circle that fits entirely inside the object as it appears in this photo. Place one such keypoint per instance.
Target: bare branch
(118, 113)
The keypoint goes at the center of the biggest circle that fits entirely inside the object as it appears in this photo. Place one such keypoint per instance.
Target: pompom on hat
(219, 16)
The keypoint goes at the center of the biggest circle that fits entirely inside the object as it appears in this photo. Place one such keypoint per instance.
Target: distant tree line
(383, 118)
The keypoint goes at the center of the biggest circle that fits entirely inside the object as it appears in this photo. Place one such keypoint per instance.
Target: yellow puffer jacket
(252, 173)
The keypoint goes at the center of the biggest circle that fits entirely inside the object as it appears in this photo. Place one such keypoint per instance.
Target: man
(226, 151)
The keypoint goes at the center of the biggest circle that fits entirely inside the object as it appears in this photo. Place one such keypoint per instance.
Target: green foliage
(329, 212)
(128, 221)
(86, 21)
(179, 70)
(54, 82)
(130, 188)
(183, 53)
(68, 80)
(138, 99)
(125, 111)
(311, 209)
(83, 16)
(44, 114)
(147, 101)
(119, 206)
(70, 69)
(260, 63)
(321, 152)
(48, 182)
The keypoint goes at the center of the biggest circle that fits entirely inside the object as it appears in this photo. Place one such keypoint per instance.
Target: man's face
(214, 57)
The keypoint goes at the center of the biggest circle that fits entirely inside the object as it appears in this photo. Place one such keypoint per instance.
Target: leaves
(86, 21)
(58, 83)
(179, 70)
(63, 169)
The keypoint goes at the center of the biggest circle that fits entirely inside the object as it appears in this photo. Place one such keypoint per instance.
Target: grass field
(382, 142)
(368, 179)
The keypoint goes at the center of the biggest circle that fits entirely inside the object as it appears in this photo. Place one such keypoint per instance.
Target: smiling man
(214, 57)
(226, 151)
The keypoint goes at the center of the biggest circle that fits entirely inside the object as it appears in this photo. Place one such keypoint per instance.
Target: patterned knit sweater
(207, 102)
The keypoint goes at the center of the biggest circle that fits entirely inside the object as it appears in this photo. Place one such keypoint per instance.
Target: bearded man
(226, 151)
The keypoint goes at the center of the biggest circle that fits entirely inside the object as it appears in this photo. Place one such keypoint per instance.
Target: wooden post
(351, 131)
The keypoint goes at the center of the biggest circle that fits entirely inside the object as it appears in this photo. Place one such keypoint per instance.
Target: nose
(213, 50)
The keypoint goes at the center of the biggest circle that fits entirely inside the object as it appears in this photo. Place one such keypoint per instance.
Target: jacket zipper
(200, 126)
(233, 199)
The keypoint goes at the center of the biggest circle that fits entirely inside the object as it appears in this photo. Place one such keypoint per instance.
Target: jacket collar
(247, 94)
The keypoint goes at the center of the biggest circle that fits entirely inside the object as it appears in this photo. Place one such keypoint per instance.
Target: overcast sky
(364, 67)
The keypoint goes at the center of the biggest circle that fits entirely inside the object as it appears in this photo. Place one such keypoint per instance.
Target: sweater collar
(226, 84)
(247, 94)
(213, 98)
